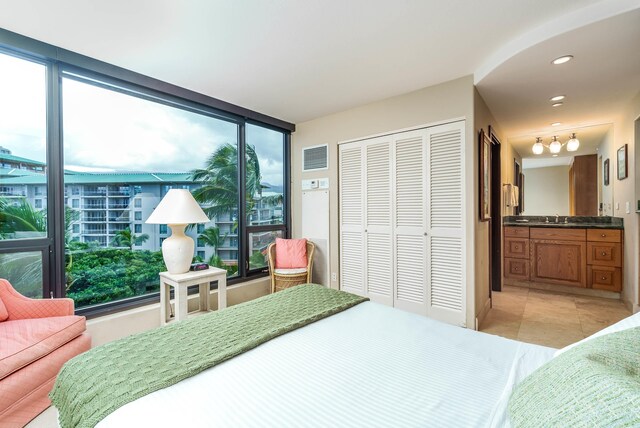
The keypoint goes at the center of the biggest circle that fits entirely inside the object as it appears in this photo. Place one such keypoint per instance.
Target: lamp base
(177, 250)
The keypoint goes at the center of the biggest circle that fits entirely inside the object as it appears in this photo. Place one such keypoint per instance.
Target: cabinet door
(517, 269)
(352, 220)
(411, 279)
(378, 241)
(446, 177)
(604, 254)
(559, 262)
(517, 248)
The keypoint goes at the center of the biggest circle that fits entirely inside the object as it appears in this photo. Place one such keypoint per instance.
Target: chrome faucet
(546, 219)
(566, 220)
(557, 218)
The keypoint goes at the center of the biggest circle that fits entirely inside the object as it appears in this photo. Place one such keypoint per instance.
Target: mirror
(576, 183)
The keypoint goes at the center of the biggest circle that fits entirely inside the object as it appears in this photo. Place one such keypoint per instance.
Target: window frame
(61, 63)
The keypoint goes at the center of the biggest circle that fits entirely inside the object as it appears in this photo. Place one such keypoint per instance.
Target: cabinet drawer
(516, 231)
(604, 235)
(516, 269)
(551, 233)
(604, 278)
(517, 248)
(604, 254)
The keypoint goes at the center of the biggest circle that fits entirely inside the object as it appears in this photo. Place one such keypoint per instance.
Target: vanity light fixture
(556, 124)
(538, 148)
(573, 144)
(557, 98)
(555, 145)
(561, 60)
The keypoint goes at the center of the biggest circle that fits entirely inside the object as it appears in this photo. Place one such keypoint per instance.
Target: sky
(110, 131)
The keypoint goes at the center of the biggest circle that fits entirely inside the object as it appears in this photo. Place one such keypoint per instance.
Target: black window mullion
(55, 196)
(287, 184)
(242, 202)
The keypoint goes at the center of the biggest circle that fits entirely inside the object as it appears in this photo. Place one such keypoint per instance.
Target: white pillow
(629, 322)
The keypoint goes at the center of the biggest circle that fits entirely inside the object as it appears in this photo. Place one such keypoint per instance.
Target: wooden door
(559, 262)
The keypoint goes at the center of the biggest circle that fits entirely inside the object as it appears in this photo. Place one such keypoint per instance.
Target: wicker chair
(280, 281)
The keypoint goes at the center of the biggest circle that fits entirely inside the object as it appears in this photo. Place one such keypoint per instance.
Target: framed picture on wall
(623, 164)
(605, 172)
(485, 176)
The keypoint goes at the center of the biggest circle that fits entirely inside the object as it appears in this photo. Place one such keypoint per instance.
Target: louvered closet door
(446, 235)
(352, 259)
(378, 238)
(410, 221)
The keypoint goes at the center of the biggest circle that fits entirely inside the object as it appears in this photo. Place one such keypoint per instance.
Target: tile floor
(548, 318)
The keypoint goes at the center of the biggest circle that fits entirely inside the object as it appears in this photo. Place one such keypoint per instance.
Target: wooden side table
(181, 282)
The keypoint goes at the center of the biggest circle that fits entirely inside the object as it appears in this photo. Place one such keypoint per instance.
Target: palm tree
(211, 237)
(219, 179)
(125, 238)
(20, 216)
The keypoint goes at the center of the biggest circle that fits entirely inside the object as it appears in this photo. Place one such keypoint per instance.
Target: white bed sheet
(370, 366)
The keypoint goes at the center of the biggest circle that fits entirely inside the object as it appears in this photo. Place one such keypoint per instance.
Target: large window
(265, 153)
(86, 158)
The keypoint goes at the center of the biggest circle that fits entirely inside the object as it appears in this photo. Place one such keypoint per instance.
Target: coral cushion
(26, 341)
(291, 253)
(3, 312)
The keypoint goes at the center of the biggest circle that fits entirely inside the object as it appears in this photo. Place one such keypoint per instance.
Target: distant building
(110, 202)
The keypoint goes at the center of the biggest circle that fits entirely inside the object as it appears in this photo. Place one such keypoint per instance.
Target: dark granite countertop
(573, 222)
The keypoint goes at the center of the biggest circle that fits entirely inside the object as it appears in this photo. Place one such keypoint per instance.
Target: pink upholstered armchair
(37, 336)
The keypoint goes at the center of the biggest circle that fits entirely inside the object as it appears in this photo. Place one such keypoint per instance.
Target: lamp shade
(555, 145)
(538, 148)
(178, 207)
(573, 144)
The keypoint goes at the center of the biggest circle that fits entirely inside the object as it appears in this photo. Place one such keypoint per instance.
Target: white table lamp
(177, 209)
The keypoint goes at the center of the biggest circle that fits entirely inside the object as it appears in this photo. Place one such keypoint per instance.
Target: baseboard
(566, 289)
(483, 313)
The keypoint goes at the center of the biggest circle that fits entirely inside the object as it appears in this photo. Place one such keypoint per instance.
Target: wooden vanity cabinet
(585, 258)
(559, 256)
(516, 253)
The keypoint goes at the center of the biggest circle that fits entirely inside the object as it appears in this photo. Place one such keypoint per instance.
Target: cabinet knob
(604, 278)
(516, 269)
(604, 253)
(603, 235)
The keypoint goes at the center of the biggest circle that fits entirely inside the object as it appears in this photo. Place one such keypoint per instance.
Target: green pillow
(595, 384)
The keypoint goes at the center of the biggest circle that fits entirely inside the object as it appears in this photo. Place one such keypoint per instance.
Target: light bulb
(573, 144)
(555, 146)
(537, 148)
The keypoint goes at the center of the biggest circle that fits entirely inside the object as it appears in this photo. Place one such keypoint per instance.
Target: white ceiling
(297, 60)
(598, 83)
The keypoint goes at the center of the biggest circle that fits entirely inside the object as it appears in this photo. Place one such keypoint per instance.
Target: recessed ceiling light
(556, 104)
(562, 59)
(555, 156)
(557, 98)
(556, 124)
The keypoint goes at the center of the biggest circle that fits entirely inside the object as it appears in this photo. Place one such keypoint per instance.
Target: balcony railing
(120, 218)
(118, 206)
(117, 228)
(94, 230)
(94, 192)
(100, 219)
(94, 206)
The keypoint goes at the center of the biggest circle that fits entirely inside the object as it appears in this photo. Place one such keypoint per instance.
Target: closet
(402, 231)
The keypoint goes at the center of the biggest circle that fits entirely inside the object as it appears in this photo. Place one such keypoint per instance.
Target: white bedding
(369, 366)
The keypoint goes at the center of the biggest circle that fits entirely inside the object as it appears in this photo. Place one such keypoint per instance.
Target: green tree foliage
(219, 179)
(107, 274)
(126, 238)
(19, 216)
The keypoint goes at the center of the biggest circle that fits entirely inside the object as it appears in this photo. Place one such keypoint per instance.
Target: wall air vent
(315, 158)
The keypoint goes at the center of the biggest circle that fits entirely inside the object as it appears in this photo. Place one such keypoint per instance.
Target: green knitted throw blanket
(595, 384)
(96, 383)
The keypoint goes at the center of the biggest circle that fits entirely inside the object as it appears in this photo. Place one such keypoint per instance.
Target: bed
(369, 365)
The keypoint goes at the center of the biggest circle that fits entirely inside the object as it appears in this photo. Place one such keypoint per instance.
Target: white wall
(623, 193)
(546, 191)
(605, 151)
(442, 102)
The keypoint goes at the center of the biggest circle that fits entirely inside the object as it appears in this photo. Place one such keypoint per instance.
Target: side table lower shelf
(181, 283)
